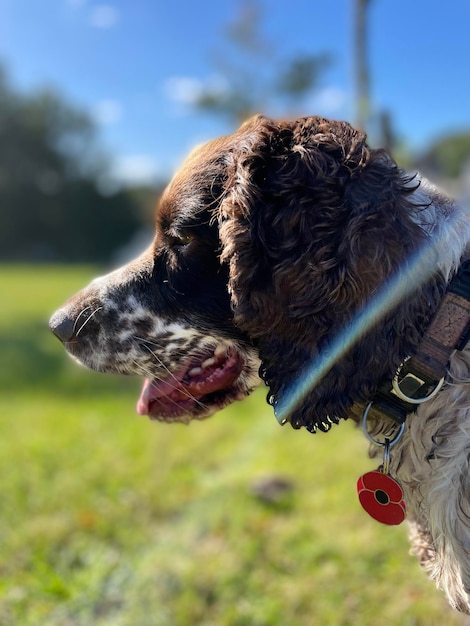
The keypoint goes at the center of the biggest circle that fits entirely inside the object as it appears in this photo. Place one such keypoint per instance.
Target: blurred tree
(361, 63)
(249, 77)
(51, 207)
(378, 124)
(448, 157)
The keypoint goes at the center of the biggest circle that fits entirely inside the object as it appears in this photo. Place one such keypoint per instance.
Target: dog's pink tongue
(150, 390)
(183, 390)
(155, 390)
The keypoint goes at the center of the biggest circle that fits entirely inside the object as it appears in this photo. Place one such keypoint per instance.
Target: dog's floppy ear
(312, 222)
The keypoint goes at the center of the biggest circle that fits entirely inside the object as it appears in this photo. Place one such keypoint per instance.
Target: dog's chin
(199, 387)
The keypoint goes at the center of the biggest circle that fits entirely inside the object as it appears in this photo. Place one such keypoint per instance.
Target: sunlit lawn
(109, 519)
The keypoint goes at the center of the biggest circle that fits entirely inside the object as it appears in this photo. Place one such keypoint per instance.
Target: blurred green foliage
(54, 203)
(109, 519)
(254, 76)
(448, 156)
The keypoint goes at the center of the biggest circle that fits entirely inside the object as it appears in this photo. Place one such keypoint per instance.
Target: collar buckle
(420, 377)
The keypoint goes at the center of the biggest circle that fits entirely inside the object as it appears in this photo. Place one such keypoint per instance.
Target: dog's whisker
(82, 312)
(161, 363)
(146, 372)
(87, 320)
(170, 373)
(149, 342)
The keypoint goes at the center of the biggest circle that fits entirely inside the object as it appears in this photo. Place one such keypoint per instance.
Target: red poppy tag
(382, 497)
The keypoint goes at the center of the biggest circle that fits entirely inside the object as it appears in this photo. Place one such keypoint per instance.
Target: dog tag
(382, 497)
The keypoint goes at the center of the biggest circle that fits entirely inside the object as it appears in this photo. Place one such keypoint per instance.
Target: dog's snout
(62, 325)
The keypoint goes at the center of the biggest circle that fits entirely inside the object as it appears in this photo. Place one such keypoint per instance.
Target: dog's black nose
(62, 326)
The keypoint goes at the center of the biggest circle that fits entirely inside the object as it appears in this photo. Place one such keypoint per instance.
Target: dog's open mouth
(201, 386)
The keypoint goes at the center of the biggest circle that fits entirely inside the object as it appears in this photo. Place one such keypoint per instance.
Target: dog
(271, 243)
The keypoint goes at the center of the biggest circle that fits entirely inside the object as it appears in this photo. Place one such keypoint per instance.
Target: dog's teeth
(195, 371)
(220, 350)
(208, 362)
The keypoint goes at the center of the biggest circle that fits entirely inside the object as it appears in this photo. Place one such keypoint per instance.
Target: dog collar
(421, 376)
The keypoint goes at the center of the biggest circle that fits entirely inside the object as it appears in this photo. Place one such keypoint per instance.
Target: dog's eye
(182, 238)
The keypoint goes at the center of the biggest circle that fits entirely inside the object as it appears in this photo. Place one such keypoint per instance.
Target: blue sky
(136, 64)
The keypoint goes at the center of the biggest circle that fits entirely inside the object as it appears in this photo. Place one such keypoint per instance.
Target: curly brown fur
(313, 223)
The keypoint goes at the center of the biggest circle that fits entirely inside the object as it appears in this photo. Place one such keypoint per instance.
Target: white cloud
(104, 16)
(107, 112)
(186, 90)
(183, 89)
(136, 169)
(327, 101)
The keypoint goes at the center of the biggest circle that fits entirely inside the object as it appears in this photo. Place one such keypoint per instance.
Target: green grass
(109, 519)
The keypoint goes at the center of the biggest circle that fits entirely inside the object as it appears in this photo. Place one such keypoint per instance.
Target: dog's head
(268, 242)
